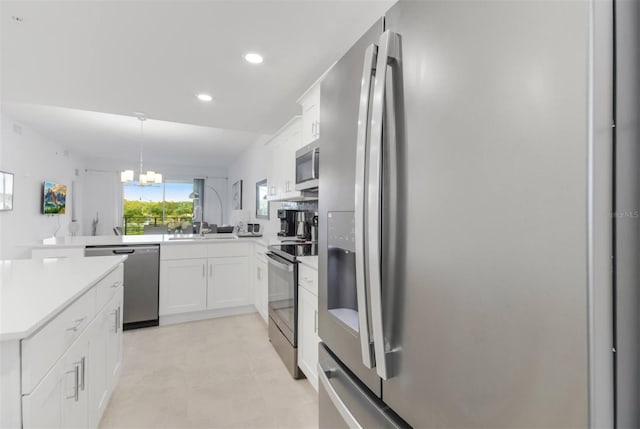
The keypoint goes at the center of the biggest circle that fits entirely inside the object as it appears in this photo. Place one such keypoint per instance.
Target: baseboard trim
(172, 319)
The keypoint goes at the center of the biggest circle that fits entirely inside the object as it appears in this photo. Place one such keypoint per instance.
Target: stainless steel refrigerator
(465, 217)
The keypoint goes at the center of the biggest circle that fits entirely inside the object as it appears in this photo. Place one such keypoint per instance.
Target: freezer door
(490, 327)
(347, 403)
(341, 317)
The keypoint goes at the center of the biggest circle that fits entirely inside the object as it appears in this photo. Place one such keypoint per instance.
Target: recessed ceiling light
(205, 97)
(253, 58)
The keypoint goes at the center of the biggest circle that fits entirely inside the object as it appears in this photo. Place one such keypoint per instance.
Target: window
(157, 205)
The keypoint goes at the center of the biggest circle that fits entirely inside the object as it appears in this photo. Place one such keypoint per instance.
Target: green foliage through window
(151, 206)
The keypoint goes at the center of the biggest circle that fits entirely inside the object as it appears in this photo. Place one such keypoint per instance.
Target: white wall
(102, 191)
(33, 159)
(251, 167)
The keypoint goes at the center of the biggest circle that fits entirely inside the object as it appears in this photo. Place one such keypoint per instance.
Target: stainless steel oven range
(283, 300)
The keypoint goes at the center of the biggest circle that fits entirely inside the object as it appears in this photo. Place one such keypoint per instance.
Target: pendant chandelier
(144, 179)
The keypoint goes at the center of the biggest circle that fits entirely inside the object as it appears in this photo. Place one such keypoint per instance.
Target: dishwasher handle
(124, 251)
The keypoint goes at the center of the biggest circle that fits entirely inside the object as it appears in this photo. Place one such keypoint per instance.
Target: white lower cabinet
(261, 283)
(75, 391)
(204, 285)
(228, 284)
(60, 400)
(308, 334)
(105, 351)
(183, 285)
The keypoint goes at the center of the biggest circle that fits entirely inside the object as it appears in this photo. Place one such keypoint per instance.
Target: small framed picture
(6, 191)
(236, 193)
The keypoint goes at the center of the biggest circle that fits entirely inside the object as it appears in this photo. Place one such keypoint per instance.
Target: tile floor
(219, 373)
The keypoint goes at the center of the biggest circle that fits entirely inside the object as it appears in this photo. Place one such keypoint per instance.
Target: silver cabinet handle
(76, 378)
(388, 55)
(203, 270)
(315, 321)
(82, 369)
(349, 419)
(317, 128)
(362, 143)
(115, 284)
(210, 270)
(116, 313)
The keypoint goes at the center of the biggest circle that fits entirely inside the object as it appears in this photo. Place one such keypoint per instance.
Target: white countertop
(114, 240)
(34, 291)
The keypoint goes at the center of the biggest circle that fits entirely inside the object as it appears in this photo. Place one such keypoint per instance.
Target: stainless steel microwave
(307, 159)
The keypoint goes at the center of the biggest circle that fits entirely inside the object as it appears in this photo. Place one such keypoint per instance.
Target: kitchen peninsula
(60, 340)
(200, 277)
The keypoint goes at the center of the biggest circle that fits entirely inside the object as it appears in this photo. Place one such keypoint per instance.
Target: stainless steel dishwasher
(141, 281)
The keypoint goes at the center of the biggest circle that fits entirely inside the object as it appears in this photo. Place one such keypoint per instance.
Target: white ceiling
(120, 57)
(118, 137)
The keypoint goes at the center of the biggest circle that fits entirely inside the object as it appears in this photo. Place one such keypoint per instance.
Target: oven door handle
(286, 267)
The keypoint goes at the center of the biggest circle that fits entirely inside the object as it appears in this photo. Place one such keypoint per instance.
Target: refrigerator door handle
(388, 55)
(368, 72)
(342, 408)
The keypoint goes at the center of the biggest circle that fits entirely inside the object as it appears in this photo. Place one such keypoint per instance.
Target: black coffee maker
(287, 222)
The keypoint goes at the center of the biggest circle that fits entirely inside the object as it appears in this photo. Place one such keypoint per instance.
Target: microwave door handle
(388, 55)
(368, 72)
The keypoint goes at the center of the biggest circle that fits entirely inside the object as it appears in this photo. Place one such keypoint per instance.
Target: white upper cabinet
(310, 103)
(282, 167)
(297, 133)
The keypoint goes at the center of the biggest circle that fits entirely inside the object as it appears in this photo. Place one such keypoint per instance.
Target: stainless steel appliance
(464, 210)
(303, 225)
(141, 282)
(287, 222)
(307, 167)
(283, 301)
(314, 228)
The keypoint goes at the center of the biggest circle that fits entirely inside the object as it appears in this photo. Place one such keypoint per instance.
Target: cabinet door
(97, 368)
(228, 284)
(42, 408)
(274, 179)
(311, 116)
(105, 356)
(183, 286)
(114, 328)
(293, 143)
(308, 335)
(261, 294)
(61, 398)
(74, 385)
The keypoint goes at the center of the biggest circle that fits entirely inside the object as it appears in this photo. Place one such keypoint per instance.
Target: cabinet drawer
(183, 251)
(41, 351)
(308, 278)
(223, 250)
(108, 286)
